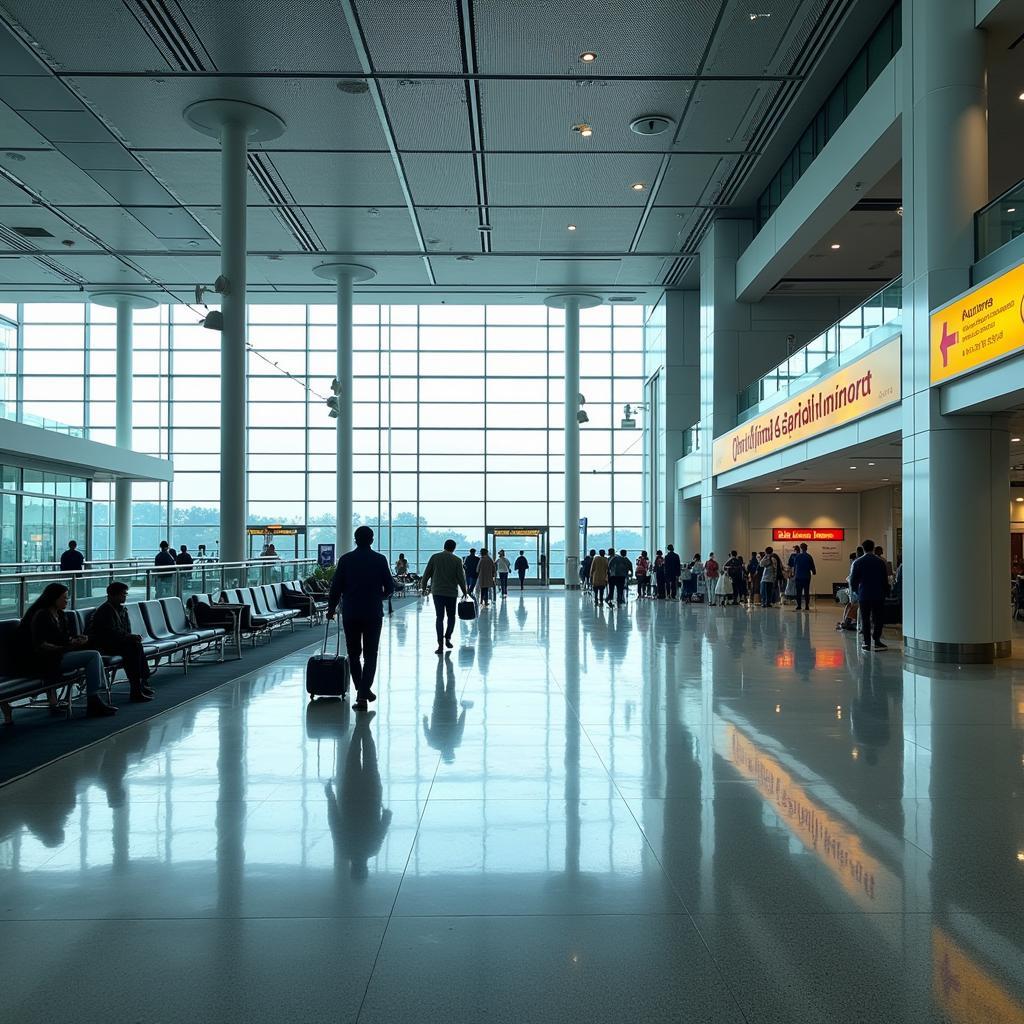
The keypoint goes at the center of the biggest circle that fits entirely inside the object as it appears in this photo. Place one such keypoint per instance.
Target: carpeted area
(36, 739)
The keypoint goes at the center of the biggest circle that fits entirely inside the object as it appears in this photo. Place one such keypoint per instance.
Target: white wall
(836, 511)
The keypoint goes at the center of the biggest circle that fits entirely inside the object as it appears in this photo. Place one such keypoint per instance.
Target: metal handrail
(88, 586)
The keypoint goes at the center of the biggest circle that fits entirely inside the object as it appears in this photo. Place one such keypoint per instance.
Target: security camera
(582, 417)
(214, 320)
(222, 286)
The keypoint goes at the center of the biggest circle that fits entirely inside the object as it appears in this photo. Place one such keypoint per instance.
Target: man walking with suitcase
(362, 583)
(447, 576)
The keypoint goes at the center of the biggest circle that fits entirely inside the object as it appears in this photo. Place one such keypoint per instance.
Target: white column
(345, 275)
(572, 443)
(572, 304)
(955, 468)
(125, 304)
(235, 124)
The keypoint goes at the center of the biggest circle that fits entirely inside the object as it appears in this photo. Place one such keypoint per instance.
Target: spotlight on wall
(214, 320)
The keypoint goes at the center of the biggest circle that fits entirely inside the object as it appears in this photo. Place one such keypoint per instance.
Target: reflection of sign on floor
(964, 990)
(870, 884)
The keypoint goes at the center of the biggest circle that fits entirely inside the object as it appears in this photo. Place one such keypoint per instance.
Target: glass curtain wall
(458, 419)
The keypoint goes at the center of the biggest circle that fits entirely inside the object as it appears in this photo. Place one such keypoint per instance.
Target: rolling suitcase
(467, 608)
(327, 675)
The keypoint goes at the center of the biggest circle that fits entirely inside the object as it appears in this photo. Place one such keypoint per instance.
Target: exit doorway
(531, 540)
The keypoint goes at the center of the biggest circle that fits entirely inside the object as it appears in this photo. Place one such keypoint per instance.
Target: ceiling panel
(264, 230)
(667, 229)
(539, 115)
(17, 133)
(253, 35)
(98, 269)
(688, 178)
(722, 114)
(427, 114)
(78, 35)
(10, 194)
(40, 217)
(450, 230)
(171, 224)
(440, 179)
(567, 179)
(147, 113)
(746, 46)
(391, 270)
(629, 37)
(57, 179)
(433, 24)
(500, 271)
(117, 227)
(35, 92)
(27, 271)
(363, 229)
(356, 179)
(546, 230)
(193, 178)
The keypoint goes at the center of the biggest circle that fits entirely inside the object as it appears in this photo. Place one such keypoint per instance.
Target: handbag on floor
(327, 675)
(467, 608)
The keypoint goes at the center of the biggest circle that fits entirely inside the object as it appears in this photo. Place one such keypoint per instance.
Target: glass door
(534, 544)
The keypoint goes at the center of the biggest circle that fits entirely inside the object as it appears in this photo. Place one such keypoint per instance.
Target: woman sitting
(49, 650)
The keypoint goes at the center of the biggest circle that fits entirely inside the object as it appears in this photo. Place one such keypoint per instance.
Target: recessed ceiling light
(583, 129)
(588, 57)
(839, 488)
(1015, 440)
(778, 488)
(834, 246)
(1021, 97)
(870, 463)
(1019, 499)
(758, 17)
(1011, 209)
(885, 479)
(570, 227)
(638, 186)
(853, 467)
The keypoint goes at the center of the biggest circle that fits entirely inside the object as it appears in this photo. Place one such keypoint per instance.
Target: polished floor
(654, 813)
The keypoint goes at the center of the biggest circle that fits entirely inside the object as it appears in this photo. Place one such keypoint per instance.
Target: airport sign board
(798, 534)
(982, 326)
(866, 385)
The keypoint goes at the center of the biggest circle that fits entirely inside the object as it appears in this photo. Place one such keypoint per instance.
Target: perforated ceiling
(451, 114)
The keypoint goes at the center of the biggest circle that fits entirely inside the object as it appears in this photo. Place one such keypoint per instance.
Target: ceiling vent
(32, 232)
(622, 298)
(179, 43)
(651, 124)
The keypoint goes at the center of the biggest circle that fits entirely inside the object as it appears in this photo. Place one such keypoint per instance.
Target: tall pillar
(724, 323)
(235, 124)
(955, 468)
(572, 304)
(344, 275)
(125, 303)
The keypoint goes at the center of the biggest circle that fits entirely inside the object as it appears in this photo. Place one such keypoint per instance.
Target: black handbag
(327, 675)
(467, 608)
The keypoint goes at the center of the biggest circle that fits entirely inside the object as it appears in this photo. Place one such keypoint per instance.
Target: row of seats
(167, 631)
(258, 611)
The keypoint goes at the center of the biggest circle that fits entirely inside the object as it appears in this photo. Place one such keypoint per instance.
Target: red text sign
(798, 534)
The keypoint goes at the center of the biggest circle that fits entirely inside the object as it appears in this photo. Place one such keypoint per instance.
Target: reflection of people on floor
(869, 713)
(446, 725)
(358, 821)
(521, 614)
(804, 654)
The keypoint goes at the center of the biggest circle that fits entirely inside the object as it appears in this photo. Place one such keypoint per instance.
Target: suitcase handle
(337, 645)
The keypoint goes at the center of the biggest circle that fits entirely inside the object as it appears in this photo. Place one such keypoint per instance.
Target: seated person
(48, 649)
(110, 632)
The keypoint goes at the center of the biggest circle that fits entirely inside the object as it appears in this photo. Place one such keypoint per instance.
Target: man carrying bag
(362, 583)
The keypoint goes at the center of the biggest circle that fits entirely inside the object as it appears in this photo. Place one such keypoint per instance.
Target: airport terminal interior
(704, 319)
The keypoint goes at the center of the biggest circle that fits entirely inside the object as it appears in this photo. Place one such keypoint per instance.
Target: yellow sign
(865, 386)
(965, 990)
(871, 885)
(518, 532)
(984, 325)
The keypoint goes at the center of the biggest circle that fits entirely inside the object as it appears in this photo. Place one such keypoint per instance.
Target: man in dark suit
(673, 570)
(870, 580)
(72, 560)
(362, 583)
(110, 633)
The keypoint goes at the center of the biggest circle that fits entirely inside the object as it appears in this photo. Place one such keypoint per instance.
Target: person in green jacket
(447, 576)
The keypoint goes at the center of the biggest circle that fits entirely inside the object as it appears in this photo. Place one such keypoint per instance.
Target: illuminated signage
(523, 532)
(865, 386)
(275, 530)
(811, 533)
(982, 326)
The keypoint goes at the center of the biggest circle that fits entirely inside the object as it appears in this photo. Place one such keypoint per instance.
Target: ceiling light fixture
(638, 186)
(870, 463)
(885, 479)
(1019, 499)
(839, 488)
(758, 17)
(853, 467)
(583, 129)
(834, 246)
(1015, 440)
(570, 227)
(1021, 97)
(1011, 209)
(588, 57)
